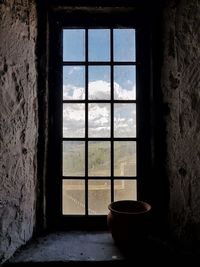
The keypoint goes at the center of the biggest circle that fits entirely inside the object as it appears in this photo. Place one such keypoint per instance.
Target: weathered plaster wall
(18, 123)
(181, 92)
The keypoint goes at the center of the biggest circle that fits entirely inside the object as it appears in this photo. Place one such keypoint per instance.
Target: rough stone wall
(18, 123)
(181, 92)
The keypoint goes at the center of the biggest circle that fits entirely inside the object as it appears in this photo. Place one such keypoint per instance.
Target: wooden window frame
(106, 17)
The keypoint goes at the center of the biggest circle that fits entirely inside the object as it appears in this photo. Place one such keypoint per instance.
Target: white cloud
(99, 90)
(71, 92)
(123, 94)
(73, 120)
(99, 120)
(74, 112)
(97, 111)
(119, 119)
(99, 114)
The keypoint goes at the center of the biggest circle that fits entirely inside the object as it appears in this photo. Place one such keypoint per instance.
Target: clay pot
(128, 221)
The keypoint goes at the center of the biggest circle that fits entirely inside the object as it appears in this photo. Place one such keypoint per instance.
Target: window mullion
(86, 121)
(112, 116)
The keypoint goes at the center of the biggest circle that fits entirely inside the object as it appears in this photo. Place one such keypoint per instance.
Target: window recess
(99, 86)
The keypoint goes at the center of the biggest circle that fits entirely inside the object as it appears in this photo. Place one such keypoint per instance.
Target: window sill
(69, 247)
(98, 248)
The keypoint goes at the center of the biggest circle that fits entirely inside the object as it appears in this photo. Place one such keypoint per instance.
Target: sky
(99, 86)
(99, 45)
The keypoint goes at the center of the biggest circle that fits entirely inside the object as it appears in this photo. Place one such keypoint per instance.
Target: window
(99, 119)
(98, 133)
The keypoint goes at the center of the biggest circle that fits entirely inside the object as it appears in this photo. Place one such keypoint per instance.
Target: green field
(99, 158)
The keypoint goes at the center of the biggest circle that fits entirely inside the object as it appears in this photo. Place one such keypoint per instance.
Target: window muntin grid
(99, 119)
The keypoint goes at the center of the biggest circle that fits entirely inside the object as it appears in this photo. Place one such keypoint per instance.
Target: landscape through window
(99, 142)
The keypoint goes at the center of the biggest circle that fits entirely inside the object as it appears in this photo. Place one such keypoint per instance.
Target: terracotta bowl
(128, 221)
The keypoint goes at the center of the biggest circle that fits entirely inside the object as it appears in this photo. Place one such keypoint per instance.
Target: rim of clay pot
(140, 207)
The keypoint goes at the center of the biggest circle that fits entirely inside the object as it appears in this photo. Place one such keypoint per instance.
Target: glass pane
(124, 120)
(99, 82)
(73, 120)
(73, 82)
(124, 45)
(99, 120)
(99, 45)
(73, 158)
(125, 189)
(73, 197)
(99, 196)
(74, 45)
(99, 158)
(124, 83)
(125, 158)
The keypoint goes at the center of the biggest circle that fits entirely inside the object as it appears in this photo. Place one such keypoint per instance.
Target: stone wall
(181, 93)
(18, 119)
(18, 123)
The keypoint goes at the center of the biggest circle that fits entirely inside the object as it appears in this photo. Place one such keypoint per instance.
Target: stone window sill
(69, 247)
(98, 248)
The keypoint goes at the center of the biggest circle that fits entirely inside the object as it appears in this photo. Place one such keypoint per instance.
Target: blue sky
(98, 44)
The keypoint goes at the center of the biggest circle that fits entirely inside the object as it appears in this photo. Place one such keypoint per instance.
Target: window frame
(59, 19)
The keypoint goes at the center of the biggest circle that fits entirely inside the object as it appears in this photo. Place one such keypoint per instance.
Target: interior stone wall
(181, 93)
(180, 83)
(18, 123)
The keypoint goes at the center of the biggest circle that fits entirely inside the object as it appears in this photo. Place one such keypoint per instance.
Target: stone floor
(95, 248)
